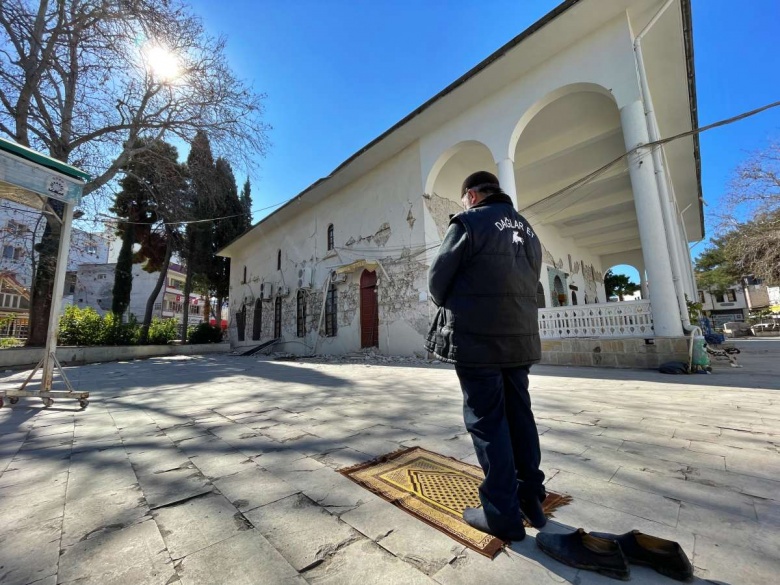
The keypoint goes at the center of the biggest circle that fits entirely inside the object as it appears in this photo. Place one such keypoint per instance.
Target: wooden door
(369, 310)
(257, 320)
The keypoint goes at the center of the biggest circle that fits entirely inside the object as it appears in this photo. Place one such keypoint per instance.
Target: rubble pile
(366, 356)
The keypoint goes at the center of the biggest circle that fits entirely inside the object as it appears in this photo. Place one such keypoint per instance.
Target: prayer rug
(435, 489)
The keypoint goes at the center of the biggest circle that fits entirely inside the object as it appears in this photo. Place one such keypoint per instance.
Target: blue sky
(340, 72)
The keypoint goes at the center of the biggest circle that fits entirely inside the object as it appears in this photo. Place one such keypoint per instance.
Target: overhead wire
(581, 182)
(654, 144)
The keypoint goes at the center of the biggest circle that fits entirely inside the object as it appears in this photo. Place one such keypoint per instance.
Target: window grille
(331, 310)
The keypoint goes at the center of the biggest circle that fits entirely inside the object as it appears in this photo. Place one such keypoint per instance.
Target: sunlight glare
(162, 63)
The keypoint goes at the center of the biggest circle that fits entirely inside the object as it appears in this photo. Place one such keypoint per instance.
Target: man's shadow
(640, 575)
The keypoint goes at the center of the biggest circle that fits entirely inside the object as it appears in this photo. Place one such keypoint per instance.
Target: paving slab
(725, 528)
(720, 562)
(253, 488)
(403, 535)
(174, 486)
(507, 568)
(694, 493)
(86, 517)
(31, 508)
(136, 554)
(244, 559)
(365, 563)
(638, 503)
(303, 532)
(29, 553)
(199, 523)
(629, 445)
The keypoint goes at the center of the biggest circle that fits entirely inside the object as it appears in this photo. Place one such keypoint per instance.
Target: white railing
(626, 319)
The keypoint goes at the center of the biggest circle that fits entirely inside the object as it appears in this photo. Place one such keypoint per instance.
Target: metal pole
(56, 299)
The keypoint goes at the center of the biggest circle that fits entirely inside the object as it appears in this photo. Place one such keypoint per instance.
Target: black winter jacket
(484, 282)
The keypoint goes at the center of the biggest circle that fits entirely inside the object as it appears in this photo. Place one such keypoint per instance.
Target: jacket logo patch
(516, 239)
(514, 224)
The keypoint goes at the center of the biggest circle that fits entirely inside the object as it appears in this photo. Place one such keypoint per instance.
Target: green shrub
(11, 342)
(117, 333)
(204, 333)
(81, 327)
(161, 331)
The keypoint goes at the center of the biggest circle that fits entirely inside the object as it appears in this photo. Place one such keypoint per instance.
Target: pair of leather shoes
(665, 556)
(583, 551)
(609, 554)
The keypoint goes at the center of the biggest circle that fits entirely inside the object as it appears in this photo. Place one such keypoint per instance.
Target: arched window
(540, 301)
(558, 293)
(331, 306)
(330, 237)
(278, 318)
(573, 298)
(301, 315)
(279, 260)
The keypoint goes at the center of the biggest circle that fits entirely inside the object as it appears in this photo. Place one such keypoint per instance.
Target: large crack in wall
(440, 209)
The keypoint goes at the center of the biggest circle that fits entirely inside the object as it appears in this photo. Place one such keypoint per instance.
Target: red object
(178, 298)
(369, 310)
(213, 321)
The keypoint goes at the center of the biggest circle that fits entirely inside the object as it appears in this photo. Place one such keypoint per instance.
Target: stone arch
(461, 159)
(546, 100)
(625, 267)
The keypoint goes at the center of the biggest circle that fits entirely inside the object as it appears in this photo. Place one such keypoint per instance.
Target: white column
(506, 177)
(655, 249)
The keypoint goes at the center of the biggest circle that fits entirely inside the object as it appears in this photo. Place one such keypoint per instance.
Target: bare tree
(84, 80)
(755, 188)
(749, 224)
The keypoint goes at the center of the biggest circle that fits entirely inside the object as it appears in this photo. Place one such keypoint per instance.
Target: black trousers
(497, 413)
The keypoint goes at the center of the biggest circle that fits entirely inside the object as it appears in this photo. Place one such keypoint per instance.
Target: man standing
(484, 282)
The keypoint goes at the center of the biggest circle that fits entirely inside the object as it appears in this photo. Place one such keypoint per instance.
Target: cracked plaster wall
(379, 217)
(584, 271)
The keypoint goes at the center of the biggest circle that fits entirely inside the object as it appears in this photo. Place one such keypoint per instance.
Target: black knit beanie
(479, 179)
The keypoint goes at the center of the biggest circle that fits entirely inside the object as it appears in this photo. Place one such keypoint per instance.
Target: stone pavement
(221, 469)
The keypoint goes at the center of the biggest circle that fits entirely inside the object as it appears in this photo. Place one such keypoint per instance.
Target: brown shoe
(665, 556)
(584, 551)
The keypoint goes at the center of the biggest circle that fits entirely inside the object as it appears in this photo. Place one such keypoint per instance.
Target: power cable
(657, 143)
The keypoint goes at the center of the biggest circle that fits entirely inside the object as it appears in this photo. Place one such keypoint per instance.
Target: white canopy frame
(30, 178)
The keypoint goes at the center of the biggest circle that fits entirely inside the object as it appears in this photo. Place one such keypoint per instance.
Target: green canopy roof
(42, 160)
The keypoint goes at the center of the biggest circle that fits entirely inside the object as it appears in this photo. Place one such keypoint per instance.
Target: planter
(70, 355)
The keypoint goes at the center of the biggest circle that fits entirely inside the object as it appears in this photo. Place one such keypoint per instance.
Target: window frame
(330, 242)
(331, 311)
(278, 318)
(300, 316)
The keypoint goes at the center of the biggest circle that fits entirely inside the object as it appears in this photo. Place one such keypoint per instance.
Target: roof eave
(687, 22)
(546, 19)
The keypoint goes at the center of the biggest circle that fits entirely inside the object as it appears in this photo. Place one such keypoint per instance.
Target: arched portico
(613, 216)
(454, 165)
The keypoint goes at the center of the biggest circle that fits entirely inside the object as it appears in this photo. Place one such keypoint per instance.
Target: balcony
(626, 319)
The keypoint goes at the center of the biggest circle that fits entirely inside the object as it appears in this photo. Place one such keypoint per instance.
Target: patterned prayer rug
(435, 489)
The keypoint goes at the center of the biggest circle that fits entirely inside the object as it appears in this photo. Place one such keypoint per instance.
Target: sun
(162, 63)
